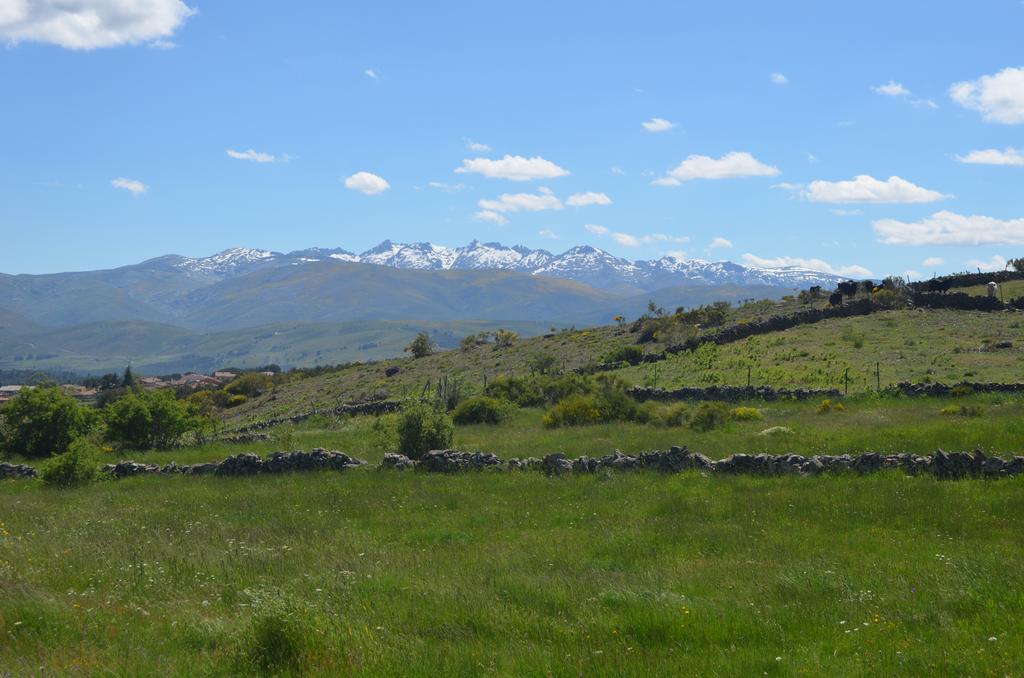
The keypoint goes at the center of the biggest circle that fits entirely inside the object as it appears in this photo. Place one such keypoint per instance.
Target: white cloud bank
(996, 263)
(949, 228)
(934, 261)
(627, 240)
(518, 202)
(999, 97)
(779, 79)
(867, 189)
(730, 166)
(367, 183)
(852, 270)
(891, 89)
(133, 186)
(720, 243)
(656, 125)
(513, 168)
(588, 198)
(993, 156)
(251, 155)
(89, 24)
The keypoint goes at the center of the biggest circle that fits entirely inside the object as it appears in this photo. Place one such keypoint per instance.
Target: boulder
(245, 464)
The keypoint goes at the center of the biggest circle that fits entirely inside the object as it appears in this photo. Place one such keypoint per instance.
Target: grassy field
(867, 424)
(405, 574)
(918, 346)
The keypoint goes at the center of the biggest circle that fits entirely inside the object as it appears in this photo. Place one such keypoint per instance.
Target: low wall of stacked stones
(251, 432)
(943, 465)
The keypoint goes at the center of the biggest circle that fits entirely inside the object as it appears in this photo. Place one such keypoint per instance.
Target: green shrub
(676, 414)
(42, 421)
(576, 410)
(628, 354)
(236, 400)
(961, 410)
(281, 638)
(884, 298)
(251, 385)
(826, 406)
(482, 410)
(422, 428)
(523, 391)
(149, 419)
(709, 416)
(78, 466)
(746, 414)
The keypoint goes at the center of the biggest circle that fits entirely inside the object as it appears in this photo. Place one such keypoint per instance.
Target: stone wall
(729, 393)
(943, 465)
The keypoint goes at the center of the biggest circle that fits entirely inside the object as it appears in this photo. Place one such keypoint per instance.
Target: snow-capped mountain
(583, 263)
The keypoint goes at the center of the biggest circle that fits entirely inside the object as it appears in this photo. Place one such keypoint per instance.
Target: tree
(128, 380)
(149, 419)
(505, 338)
(42, 421)
(421, 346)
(1017, 264)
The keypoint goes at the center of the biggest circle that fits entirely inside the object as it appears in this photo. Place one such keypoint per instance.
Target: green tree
(128, 380)
(421, 346)
(505, 338)
(42, 421)
(149, 419)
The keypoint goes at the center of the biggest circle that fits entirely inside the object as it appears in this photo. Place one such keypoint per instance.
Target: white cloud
(891, 89)
(492, 216)
(548, 233)
(949, 228)
(867, 189)
(911, 274)
(924, 103)
(133, 186)
(589, 198)
(852, 270)
(720, 243)
(89, 24)
(367, 183)
(516, 202)
(846, 213)
(934, 261)
(618, 170)
(657, 125)
(627, 240)
(996, 263)
(729, 166)
(447, 188)
(162, 44)
(513, 168)
(779, 79)
(251, 155)
(999, 97)
(477, 147)
(812, 158)
(372, 74)
(993, 156)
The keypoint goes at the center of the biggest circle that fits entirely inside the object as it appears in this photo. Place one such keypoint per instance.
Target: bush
(505, 338)
(78, 466)
(42, 421)
(826, 406)
(523, 391)
(675, 415)
(281, 637)
(884, 298)
(961, 410)
(709, 416)
(746, 414)
(626, 354)
(422, 428)
(576, 410)
(236, 400)
(251, 385)
(149, 419)
(482, 410)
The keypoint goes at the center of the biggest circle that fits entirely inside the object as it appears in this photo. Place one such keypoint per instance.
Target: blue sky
(773, 129)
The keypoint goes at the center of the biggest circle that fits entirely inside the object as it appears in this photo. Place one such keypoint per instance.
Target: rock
(619, 461)
(453, 461)
(245, 464)
(200, 469)
(398, 462)
(556, 464)
(16, 471)
(318, 459)
(126, 469)
(392, 371)
(585, 464)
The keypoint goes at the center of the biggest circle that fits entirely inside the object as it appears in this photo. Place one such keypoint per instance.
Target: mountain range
(190, 313)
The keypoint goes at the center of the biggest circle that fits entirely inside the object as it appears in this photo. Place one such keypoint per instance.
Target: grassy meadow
(407, 574)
